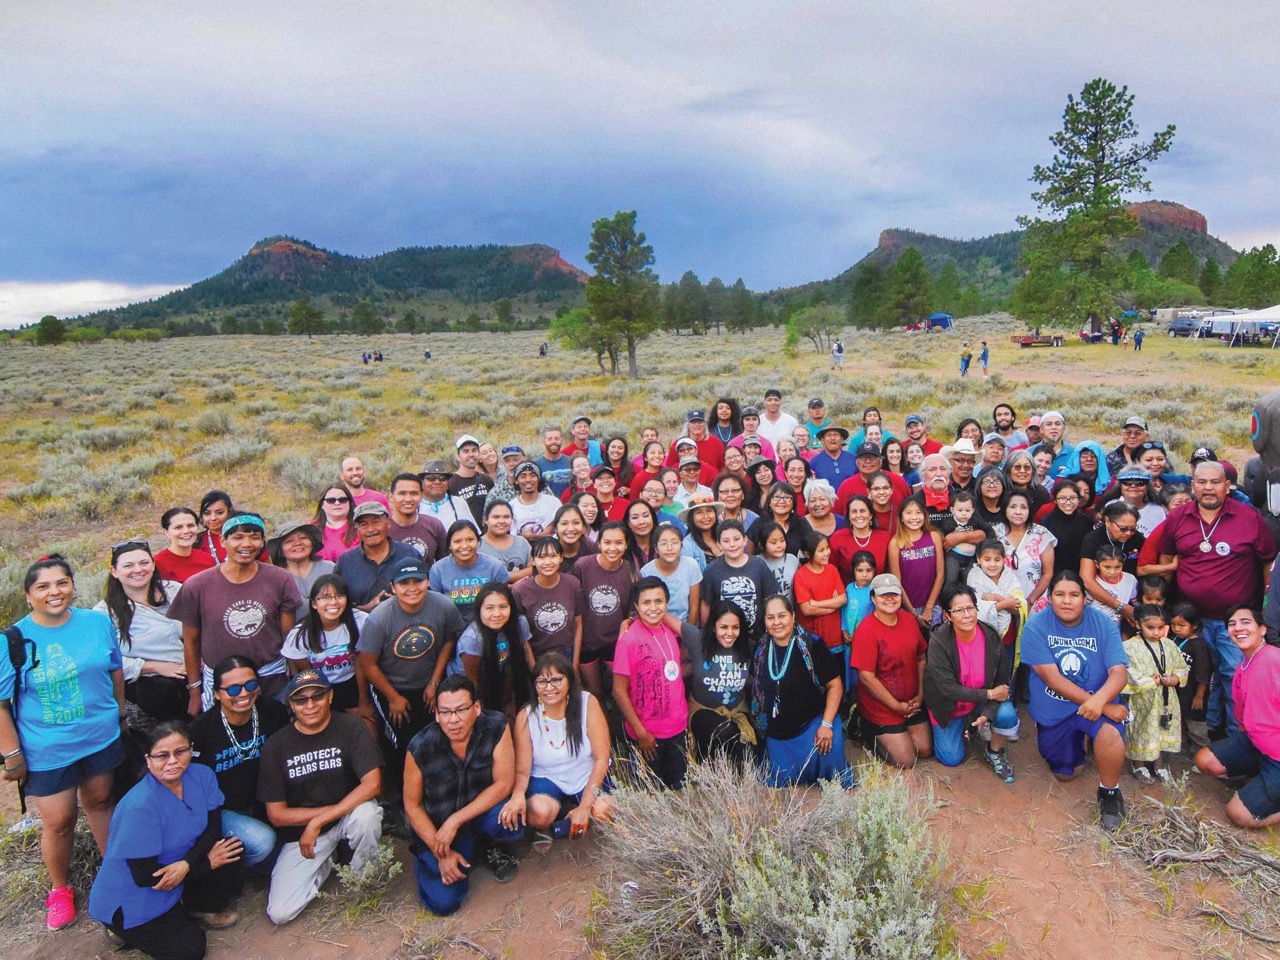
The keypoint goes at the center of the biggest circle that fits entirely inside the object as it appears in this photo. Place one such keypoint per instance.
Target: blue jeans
(443, 898)
(1226, 658)
(949, 744)
(259, 839)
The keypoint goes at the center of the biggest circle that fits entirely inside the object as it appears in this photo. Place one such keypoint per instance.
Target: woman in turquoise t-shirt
(69, 697)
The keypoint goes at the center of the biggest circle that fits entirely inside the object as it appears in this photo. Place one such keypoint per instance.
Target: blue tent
(941, 321)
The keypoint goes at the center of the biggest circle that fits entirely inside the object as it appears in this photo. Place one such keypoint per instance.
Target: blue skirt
(797, 761)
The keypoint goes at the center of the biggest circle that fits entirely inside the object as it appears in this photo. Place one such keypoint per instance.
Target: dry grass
(102, 438)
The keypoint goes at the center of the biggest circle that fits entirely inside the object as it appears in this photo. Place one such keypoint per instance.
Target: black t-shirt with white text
(237, 769)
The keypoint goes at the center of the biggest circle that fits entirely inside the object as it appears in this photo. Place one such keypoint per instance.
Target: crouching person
(319, 779)
(457, 776)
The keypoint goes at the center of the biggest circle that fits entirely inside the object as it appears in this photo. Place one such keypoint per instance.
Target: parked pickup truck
(1031, 340)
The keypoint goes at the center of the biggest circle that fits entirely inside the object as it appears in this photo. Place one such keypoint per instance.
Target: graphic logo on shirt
(1072, 656)
(57, 678)
(604, 600)
(463, 592)
(419, 545)
(742, 591)
(414, 642)
(313, 761)
(244, 618)
(551, 617)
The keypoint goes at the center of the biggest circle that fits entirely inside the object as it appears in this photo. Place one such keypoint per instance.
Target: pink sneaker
(61, 907)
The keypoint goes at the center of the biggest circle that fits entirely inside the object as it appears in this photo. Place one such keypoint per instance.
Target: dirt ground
(1032, 876)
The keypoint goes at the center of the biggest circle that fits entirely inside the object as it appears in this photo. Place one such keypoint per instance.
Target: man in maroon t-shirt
(1223, 548)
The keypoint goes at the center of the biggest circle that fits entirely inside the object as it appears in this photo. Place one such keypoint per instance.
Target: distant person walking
(1138, 337)
(984, 358)
(837, 355)
(966, 358)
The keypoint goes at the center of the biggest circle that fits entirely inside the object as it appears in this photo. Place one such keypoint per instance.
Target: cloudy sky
(147, 144)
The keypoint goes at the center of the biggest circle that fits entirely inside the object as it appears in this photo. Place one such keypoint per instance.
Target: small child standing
(1184, 624)
(857, 606)
(960, 557)
(1113, 579)
(773, 541)
(998, 588)
(1153, 589)
(1155, 725)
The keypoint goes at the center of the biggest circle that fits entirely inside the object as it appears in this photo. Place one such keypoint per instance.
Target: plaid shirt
(449, 783)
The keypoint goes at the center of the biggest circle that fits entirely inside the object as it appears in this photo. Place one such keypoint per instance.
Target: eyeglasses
(1067, 500)
(992, 481)
(332, 500)
(971, 461)
(235, 689)
(459, 713)
(180, 754)
(963, 611)
(548, 682)
(1133, 483)
(300, 699)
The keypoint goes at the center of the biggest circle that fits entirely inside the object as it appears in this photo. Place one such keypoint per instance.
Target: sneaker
(541, 842)
(984, 732)
(60, 907)
(1143, 776)
(501, 864)
(1164, 776)
(114, 940)
(1110, 809)
(216, 921)
(999, 761)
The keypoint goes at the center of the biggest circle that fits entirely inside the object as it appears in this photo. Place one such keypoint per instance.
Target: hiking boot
(60, 908)
(216, 921)
(1110, 809)
(501, 864)
(999, 761)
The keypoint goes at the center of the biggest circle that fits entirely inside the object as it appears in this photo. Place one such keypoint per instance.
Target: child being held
(1155, 665)
(1113, 579)
(961, 556)
(998, 588)
(1184, 625)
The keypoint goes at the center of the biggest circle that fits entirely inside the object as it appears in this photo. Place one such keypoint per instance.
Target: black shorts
(600, 653)
(872, 730)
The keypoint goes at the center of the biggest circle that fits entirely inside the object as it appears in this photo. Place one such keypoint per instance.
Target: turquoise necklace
(775, 674)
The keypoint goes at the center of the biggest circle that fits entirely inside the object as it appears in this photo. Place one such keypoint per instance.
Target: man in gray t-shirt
(402, 653)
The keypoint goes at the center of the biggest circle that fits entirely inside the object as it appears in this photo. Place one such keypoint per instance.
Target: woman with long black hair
(493, 651)
(325, 639)
(720, 685)
(215, 507)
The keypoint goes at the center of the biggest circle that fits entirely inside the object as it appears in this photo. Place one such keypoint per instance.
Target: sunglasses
(1133, 483)
(124, 546)
(332, 500)
(300, 699)
(235, 689)
(1152, 445)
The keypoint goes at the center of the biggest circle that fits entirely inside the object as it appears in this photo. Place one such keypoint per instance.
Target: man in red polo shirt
(710, 449)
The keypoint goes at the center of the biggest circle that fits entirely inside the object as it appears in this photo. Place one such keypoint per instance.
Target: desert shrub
(370, 393)
(346, 428)
(106, 438)
(303, 475)
(214, 423)
(731, 868)
(26, 883)
(220, 394)
(255, 407)
(363, 891)
(232, 452)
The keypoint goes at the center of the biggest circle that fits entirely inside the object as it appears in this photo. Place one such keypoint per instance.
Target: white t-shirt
(773, 432)
(337, 660)
(535, 516)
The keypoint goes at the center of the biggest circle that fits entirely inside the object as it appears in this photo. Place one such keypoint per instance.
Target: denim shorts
(48, 783)
(1261, 795)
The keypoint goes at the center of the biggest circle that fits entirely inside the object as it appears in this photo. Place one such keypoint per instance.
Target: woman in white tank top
(562, 756)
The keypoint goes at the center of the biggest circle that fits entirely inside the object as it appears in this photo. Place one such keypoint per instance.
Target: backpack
(18, 658)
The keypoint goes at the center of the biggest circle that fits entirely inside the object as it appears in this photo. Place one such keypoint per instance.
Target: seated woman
(136, 598)
(719, 686)
(967, 677)
(228, 738)
(562, 757)
(1253, 751)
(797, 691)
(167, 870)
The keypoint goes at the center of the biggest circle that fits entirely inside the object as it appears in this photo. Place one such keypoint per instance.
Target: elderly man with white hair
(1053, 428)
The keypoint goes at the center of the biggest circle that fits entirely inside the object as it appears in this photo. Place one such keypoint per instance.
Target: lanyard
(1160, 664)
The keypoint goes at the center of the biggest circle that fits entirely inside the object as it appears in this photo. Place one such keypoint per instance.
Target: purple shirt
(1216, 580)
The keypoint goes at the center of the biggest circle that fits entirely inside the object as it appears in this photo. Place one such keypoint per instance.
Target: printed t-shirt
(552, 612)
(892, 653)
(1226, 574)
(657, 691)
(316, 769)
(408, 645)
(678, 583)
(472, 490)
(335, 543)
(241, 618)
(515, 556)
(718, 679)
(336, 659)
(425, 535)
(461, 584)
(606, 601)
(1083, 653)
(533, 517)
(748, 585)
(237, 769)
(66, 700)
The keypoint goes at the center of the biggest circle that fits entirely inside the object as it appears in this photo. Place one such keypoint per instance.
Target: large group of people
(471, 659)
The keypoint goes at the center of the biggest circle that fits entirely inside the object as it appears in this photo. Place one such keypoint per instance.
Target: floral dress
(1026, 559)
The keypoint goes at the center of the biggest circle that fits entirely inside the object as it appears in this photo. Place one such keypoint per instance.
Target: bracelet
(9, 756)
(830, 725)
(194, 686)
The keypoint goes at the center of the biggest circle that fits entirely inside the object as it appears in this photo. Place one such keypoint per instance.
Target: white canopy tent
(1265, 315)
